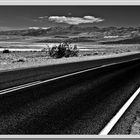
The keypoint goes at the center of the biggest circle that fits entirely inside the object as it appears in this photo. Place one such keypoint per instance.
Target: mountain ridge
(75, 30)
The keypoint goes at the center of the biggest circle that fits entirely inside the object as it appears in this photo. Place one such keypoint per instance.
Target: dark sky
(19, 17)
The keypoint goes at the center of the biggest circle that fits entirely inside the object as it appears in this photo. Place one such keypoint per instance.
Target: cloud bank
(37, 28)
(73, 20)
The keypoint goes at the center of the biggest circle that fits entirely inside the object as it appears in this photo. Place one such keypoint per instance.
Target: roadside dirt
(16, 60)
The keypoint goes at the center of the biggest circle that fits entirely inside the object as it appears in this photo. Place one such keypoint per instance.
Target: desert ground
(25, 54)
(27, 51)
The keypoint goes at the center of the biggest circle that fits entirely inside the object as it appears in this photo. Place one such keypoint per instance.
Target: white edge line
(60, 77)
(115, 119)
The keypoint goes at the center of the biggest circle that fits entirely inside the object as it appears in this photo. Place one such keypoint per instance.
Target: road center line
(59, 77)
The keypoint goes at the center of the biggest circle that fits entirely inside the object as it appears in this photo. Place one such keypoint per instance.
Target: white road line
(18, 87)
(119, 114)
(60, 77)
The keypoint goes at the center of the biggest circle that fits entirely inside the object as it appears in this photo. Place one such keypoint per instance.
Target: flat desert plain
(27, 54)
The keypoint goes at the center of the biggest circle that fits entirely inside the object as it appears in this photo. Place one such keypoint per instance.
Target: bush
(6, 51)
(19, 60)
(63, 50)
(74, 51)
(44, 50)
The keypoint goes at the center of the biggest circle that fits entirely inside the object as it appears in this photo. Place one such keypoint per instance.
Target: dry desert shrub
(6, 51)
(19, 60)
(63, 50)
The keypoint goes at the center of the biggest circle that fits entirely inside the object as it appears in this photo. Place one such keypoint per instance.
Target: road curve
(11, 78)
(77, 104)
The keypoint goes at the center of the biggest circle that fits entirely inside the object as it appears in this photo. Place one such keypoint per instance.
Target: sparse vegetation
(6, 51)
(23, 59)
(19, 60)
(63, 50)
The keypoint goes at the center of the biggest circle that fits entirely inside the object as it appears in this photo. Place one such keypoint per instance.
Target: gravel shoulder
(18, 60)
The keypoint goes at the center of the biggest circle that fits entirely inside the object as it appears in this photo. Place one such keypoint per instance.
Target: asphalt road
(80, 104)
(22, 76)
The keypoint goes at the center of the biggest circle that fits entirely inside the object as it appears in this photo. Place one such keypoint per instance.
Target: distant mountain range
(81, 33)
(90, 31)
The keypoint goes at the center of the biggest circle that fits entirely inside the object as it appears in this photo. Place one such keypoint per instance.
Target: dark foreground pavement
(80, 104)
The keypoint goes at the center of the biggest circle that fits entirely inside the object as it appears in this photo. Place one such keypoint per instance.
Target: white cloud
(75, 20)
(37, 28)
(43, 17)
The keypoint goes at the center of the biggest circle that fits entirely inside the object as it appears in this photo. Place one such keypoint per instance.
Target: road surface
(81, 103)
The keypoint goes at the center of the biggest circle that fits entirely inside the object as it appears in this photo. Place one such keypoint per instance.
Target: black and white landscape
(69, 70)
